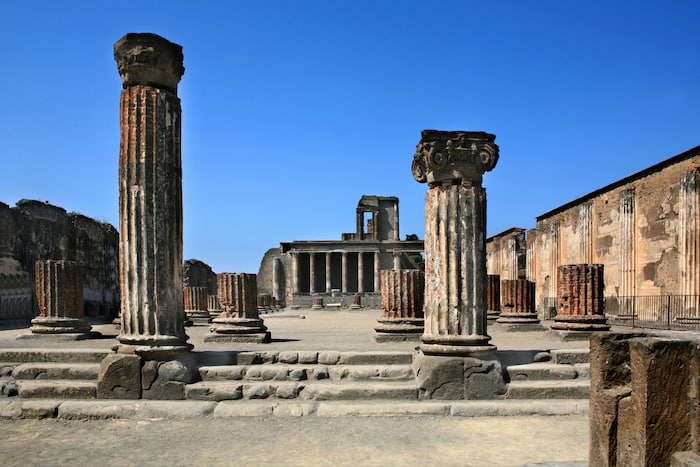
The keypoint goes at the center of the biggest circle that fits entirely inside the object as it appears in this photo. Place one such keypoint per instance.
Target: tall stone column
(295, 273)
(689, 241)
(580, 303)
(344, 272)
(59, 292)
(377, 273)
(453, 162)
(312, 272)
(240, 321)
(360, 272)
(278, 282)
(328, 273)
(150, 197)
(627, 233)
(402, 304)
(196, 299)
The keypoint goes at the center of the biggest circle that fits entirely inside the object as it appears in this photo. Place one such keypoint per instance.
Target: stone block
(165, 380)
(456, 378)
(328, 357)
(119, 377)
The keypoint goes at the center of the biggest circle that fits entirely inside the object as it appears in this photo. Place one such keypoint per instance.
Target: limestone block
(165, 380)
(455, 378)
(119, 377)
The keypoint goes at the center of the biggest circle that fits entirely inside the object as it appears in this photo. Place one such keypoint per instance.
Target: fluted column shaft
(59, 293)
(493, 295)
(150, 196)
(580, 303)
(239, 321)
(403, 291)
(360, 272)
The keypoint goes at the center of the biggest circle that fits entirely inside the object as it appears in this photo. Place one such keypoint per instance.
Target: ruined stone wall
(196, 273)
(34, 230)
(632, 226)
(506, 254)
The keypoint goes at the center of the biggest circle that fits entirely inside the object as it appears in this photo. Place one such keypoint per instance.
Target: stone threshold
(156, 409)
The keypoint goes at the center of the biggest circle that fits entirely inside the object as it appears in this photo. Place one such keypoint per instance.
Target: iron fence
(659, 311)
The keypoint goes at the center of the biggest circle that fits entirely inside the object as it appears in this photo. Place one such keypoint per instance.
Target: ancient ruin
(452, 163)
(299, 271)
(59, 292)
(150, 196)
(493, 296)
(518, 306)
(239, 321)
(195, 299)
(580, 304)
(402, 305)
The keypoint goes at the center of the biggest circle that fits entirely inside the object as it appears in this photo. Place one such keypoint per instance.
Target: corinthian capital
(454, 155)
(148, 59)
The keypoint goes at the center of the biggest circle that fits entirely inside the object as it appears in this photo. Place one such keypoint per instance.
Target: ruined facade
(506, 254)
(35, 230)
(643, 229)
(335, 270)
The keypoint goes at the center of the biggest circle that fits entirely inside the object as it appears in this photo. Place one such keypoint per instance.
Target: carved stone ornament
(454, 155)
(148, 59)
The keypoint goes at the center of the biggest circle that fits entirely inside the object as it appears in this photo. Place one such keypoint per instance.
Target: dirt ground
(304, 441)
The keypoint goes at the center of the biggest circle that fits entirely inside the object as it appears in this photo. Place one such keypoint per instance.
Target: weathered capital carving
(454, 155)
(148, 59)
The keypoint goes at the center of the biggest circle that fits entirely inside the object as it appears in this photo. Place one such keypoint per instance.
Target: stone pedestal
(196, 304)
(493, 296)
(355, 302)
(317, 303)
(402, 302)
(518, 306)
(239, 322)
(580, 303)
(452, 163)
(59, 292)
(150, 198)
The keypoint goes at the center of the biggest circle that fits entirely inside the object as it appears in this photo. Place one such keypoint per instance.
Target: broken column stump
(213, 306)
(355, 302)
(402, 304)
(580, 302)
(493, 296)
(239, 321)
(518, 306)
(457, 360)
(59, 293)
(196, 304)
(317, 303)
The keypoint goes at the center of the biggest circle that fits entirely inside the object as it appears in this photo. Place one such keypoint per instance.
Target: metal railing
(659, 311)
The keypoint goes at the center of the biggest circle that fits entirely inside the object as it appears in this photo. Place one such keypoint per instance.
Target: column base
(519, 322)
(56, 325)
(400, 325)
(230, 329)
(256, 338)
(153, 347)
(458, 378)
(492, 315)
(580, 323)
(456, 345)
(72, 336)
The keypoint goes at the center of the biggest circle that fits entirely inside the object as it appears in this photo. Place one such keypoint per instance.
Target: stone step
(320, 391)
(51, 370)
(325, 357)
(53, 355)
(541, 371)
(282, 372)
(570, 356)
(56, 389)
(562, 389)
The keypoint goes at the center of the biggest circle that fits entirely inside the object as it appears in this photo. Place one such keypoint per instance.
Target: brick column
(493, 296)
(580, 303)
(403, 291)
(59, 292)
(518, 306)
(328, 273)
(196, 299)
(150, 197)
(360, 272)
(213, 306)
(239, 322)
(453, 162)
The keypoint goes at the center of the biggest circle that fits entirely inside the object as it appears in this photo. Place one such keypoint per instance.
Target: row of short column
(296, 272)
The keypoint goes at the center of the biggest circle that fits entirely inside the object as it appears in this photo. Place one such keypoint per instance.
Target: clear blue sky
(292, 110)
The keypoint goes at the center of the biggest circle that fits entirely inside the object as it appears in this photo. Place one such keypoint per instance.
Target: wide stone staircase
(298, 375)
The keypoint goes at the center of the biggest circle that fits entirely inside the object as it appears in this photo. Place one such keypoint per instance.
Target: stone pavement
(358, 433)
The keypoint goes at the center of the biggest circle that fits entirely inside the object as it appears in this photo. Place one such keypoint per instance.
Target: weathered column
(295, 273)
(585, 225)
(627, 232)
(402, 302)
(377, 273)
(59, 292)
(689, 241)
(493, 296)
(344, 272)
(453, 162)
(278, 281)
(196, 299)
(150, 196)
(213, 306)
(518, 306)
(312, 272)
(360, 272)
(580, 303)
(397, 260)
(240, 321)
(328, 273)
